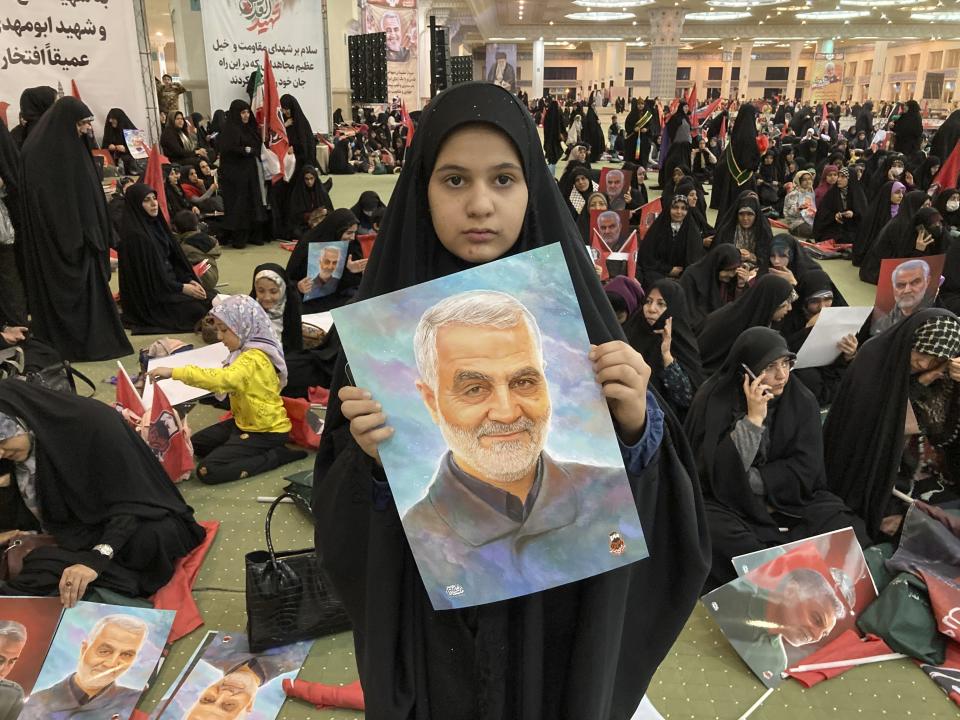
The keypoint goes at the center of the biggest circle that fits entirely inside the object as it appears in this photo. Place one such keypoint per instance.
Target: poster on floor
(397, 19)
(99, 661)
(27, 626)
(500, 67)
(802, 596)
(439, 357)
(905, 286)
(226, 680)
(827, 82)
(90, 43)
(236, 34)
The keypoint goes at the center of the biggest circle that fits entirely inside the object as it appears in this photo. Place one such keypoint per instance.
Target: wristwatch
(104, 550)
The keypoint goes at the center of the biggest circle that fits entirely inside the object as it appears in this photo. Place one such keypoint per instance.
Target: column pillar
(743, 88)
(665, 27)
(796, 47)
(191, 60)
(598, 52)
(342, 16)
(727, 56)
(921, 76)
(538, 55)
(616, 63)
(877, 72)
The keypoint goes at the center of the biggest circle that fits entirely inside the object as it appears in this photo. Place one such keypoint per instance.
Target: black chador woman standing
(587, 649)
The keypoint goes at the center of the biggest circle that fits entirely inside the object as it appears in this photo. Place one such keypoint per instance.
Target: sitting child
(254, 440)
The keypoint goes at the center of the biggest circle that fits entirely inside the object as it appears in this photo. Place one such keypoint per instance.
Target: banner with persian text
(827, 82)
(92, 42)
(237, 32)
(398, 20)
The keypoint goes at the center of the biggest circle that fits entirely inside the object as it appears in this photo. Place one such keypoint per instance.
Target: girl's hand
(848, 347)
(305, 285)
(367, 421)
(924, 240)
(160, 373)
(666, 338)
(356, 266)
(757, 397)
(623, 375)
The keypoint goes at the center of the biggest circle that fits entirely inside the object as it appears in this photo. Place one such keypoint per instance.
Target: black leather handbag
(287, 598)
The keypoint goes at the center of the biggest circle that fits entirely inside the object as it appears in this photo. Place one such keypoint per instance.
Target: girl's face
(309, 180)
(350, 234)
(678, 211)
(150, 205)
(768, 159)
(178, 120)
(746, 219)
(192, 175)
(806, 182)
(268, 293)
(934, 170)
(227, 336)
(677, 175)
(896, 197)
(598, 202)
(843, 180)
(477, 200)
(204, 168)
(692, 198)
(641, 175)
(244, 116)
(780, 313)
(831, 178)
(653, 306)
(582, 183)
(113, 122)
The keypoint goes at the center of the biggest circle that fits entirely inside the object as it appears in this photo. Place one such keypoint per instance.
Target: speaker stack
(461, 69)
(438, 58)
(368, 67)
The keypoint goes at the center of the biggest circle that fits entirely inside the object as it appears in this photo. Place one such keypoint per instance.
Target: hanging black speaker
(461, 69)
(367, 56)
(438, 58)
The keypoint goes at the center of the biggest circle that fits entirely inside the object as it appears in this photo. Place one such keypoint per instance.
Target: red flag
(631, 247)
(847, 646)
(3, 112)
(692, 98)
(74, 90)
(407, 122)
(167, 439)
(723, 130)
(599, 250)
(127, 396)
(950, 170)
(273, 130)
(324, 696)
(649, 213)
(154, 177)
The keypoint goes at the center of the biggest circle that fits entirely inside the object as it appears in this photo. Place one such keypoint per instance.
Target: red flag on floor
(74, 90)
(167, 439)
(127, 397)
(847, 646)
(324, 696)
(950, 170)
(154, 177)
(272, 128)
(407, 122)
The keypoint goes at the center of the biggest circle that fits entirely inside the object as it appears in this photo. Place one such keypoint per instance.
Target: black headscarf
(339, 163)
(300, 135)
(754, 308)
(92, 469)
(728, 222)
(172, 139)
(292, 336)
(800, 260)
(824, 222)
(66, 240)
(638, 192)
(9, 160)
(701, 283)
(908, 129)
(235, 134)
(568, 180)
(683, 344)
(949, 296)
(946, 137)
(661, 251)
(153, 270)
(739, 162)
(874, 220)
(865, 120)
(304, 200)
(923, 175)
(593, 134)
(327, 231)
(553, 132)
(34, 102)
(795, 434)
(114, 135)
(587, 649)
(864, 431)
(368, 200)
(892, 235)
(951, 218)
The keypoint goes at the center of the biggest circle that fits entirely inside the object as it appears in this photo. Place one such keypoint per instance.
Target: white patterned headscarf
(276, 312)
(250, 322)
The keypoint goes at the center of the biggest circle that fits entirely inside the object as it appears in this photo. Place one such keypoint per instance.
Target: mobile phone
(346, 369)
(748, 371)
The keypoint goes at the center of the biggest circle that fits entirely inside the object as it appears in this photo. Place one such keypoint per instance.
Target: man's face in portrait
(614, 183)
(391, 26)
(909, 288)
(108, 655)
(807, 617)
(228, 699)
(609, 226)
(10, 651)
(328, 262)
(491, 401)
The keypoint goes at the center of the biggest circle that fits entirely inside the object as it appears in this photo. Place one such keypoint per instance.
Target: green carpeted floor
(701, 678)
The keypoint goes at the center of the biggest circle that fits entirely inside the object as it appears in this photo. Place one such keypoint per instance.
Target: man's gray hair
(911, 265)
(11, 630)
(130, 623)
(475, 308)
(811, 584)
(618, 173)
(609, 214)
(392, 16)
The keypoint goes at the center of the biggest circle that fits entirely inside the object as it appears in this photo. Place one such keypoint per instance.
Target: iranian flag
(266, 109)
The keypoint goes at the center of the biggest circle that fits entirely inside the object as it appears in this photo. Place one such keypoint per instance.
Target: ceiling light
(600, 16)
(717, 16)
(699, 39)
(551, 22)
(589, 39)
(832, 14)
(936, 16)
(636, 44)
(742, 3)
(612, 3)
(506, 39)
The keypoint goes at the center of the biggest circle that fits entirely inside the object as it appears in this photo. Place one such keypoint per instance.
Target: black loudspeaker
(368, 67)
(438, 58)
(461, 69)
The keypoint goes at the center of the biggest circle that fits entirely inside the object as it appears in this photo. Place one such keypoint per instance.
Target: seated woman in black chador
(756, 436)
(79, 473)
(159, 291)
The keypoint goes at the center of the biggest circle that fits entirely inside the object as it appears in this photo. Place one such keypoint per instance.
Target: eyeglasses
(785, 365)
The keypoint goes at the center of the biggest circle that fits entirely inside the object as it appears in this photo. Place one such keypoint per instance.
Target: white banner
(236, 33)
(92, 42)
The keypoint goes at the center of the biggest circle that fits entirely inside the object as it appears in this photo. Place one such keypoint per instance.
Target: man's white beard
(507, 461)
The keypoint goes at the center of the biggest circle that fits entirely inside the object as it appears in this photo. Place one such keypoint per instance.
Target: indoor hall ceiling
(774, 20)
